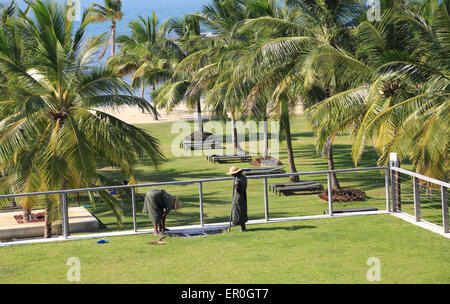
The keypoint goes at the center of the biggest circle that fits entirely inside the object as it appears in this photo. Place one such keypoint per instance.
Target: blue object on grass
(102, 241)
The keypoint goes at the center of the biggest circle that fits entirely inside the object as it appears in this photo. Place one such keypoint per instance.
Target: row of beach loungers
(281, 188)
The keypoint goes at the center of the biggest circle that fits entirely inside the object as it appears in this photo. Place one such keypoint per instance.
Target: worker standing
(239, 200)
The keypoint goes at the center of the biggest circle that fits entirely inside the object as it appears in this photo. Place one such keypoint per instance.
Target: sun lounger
(313, 187)
(229, 158)
(203, 145)
(274, 187)
(263, 170)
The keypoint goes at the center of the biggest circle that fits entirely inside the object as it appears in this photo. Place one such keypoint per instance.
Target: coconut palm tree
(339, 69)
(400, 91)
(213, 66)
(146, 55)
(111, 10)
(184, 86)
(286, 40)
(53, 135)
(280, 105)
(197, 72)
(411, 93)
(7, 11)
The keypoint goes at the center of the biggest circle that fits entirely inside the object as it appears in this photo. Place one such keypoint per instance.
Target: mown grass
(217, 195)
(313, 251)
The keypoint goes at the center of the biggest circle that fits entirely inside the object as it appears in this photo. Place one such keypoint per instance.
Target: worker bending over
(157, 204)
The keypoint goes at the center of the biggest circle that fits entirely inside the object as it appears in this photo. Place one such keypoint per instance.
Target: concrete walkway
(422, 224)
(81, 220)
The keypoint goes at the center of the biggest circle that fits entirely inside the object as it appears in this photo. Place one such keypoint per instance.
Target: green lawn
(313, 251)
(217, 195)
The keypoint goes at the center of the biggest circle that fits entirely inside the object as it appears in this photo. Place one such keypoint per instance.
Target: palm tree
(221, 16)
(411, 94)
(292, 38)
(7, 12)
(52, 134)
(280, 105)
(400, 87)
(146, 55)
(111, 10)
(184, 86)
(224, 95)
(212, 67)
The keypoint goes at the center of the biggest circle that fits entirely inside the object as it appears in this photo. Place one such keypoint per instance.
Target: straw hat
(234, 170)
(177, 204)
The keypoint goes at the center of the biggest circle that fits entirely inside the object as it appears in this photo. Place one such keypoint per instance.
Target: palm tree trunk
(143, 94)
(290, 152)
(113, 43)
(329, 148)
(199, 117)
(266, 137)
(113, 38)
(155, 116)
(12, 203)
(48, 223)
(26, 214)
(236, 147)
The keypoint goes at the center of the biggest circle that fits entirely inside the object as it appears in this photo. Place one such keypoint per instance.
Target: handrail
(279, 175)
(64, 205)
(420, 176)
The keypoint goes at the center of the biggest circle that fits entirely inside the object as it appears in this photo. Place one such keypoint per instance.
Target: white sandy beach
(134, 115)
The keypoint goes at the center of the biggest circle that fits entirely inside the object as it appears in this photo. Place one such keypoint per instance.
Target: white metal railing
(64, 204)
(396, 191)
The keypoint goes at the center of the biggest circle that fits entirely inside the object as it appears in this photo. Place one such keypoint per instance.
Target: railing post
(386, 182)
(200, 196)
(133, 205)
(393, 162)
(416, 192)
(330, 195)
(64, 216)
(444, 198)
(266, 201)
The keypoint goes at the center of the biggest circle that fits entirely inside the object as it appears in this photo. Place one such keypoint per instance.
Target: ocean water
(133, 8)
